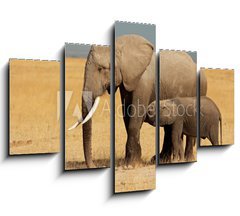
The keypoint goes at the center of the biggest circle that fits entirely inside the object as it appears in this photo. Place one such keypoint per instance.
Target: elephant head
(132, 55)
(168, 112)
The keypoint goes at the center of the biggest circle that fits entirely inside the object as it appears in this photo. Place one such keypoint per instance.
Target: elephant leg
(190, 142)
(137, 113)
(177, 139)
(166, 153)
(176, 144)
(133, 147)
(126, 98)
(181, 150)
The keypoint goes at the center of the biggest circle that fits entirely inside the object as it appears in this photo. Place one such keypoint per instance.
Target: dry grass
(101, 121)
(34, 127)
(137, 179)
(221, 91)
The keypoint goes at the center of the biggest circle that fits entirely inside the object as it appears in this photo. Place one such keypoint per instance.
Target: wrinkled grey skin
(181, 115)
(135, 77)
(178, 78)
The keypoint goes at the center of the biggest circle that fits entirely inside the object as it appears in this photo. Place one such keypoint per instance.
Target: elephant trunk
(87, 136)
(87, 114)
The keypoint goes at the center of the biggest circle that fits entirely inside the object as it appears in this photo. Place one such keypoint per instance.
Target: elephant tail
(220, 120)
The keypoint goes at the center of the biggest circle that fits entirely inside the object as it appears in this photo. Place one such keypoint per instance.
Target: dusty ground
(221, 91)
(101, 120)
(34, 127)
(142, 178)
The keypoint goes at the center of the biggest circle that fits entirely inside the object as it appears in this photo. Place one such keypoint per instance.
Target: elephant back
(178, 74)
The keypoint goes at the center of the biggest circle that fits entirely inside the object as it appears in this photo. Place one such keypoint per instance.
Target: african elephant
(134, 72)
(178, 78)
(135, 78)
(181, 115)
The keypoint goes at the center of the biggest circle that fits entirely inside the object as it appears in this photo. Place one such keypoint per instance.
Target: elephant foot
(128, 167)
(175, 160)
(190, 157)
(165, 157)
(134, 164)
(133, 156)
(133, 161)
(91, 165)
(153, 160)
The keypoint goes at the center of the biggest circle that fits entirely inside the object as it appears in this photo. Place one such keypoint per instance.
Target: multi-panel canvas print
(135, 85)
(34, 122)
(217, 107)
(177, 106)
(121, 101)
(87, 106)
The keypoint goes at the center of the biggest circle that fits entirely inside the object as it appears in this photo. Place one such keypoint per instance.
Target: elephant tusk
(92, 111)
(76, 124)
(89, 115)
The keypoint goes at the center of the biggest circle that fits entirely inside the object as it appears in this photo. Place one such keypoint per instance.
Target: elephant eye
(100, 68)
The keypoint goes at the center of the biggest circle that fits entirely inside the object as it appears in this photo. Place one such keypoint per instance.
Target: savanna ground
(220, 88)
(74, 157)
(34, 125)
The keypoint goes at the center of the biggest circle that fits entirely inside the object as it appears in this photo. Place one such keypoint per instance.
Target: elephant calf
(180, 114)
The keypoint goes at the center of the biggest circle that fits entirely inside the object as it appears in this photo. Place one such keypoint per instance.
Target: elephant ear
(133, 54)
